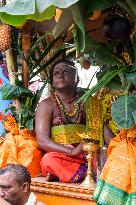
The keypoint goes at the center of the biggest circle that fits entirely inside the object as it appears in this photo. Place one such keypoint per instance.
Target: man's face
(63, 76)
(10, 190)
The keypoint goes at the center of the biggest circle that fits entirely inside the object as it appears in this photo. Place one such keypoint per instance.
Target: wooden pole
(26, 38)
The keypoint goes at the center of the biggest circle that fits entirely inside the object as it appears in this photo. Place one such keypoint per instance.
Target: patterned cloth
(67, 134)
(117, 183)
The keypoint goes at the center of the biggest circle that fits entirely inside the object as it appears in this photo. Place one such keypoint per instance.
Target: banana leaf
(43, 67)
(109, 75)
(17, 19)
(131, 77)
(9, 92)
(124, 111)
(69, 16)
(64, 22)
(79, 34)
(16, 12)
(99, 5)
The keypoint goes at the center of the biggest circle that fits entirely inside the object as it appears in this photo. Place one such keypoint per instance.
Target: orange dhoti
(117, 183)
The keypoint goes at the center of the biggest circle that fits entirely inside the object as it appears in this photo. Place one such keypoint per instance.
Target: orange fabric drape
(20, 146)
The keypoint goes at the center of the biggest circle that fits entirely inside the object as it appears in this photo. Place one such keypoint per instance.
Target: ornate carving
(61, 189)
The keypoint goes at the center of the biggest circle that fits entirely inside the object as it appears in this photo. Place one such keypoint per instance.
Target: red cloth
(60, 165)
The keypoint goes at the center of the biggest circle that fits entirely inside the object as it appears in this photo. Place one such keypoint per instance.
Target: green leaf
(42, 5)
(47, 63)
(104, 56)
(131, 77)
(45, 52)
(17, 7)
(17, 12)
(12, 19)
(80, 31)
(25, 112)
(98, 5)
(65, 21)
(124, 111)
(109, 75)
(48, 13)
(30, 124)
(9, 92)
(90, 43)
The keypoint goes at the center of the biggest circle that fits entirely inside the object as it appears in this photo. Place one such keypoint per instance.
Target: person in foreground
(15, 186)
(58, 120)
(117, 182)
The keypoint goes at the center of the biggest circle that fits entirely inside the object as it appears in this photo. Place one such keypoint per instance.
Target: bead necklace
(72, 114)
(69, 116)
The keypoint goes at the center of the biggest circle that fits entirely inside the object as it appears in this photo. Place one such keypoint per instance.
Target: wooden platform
(55, 193)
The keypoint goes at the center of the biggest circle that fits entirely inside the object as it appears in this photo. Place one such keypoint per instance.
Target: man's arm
(108, 134)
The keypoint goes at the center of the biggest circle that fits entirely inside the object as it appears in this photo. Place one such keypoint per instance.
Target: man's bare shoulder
(45, 104)
(47, 101)
(40, 203)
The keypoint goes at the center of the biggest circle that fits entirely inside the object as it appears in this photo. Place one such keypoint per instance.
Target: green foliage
(17, 12)
(99, 5)
(131, 77)
(9, 92)
(109, 75)
(24, 115)
(124, 111)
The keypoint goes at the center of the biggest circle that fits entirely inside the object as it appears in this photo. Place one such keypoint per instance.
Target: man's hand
(77, 150)
(4, 202)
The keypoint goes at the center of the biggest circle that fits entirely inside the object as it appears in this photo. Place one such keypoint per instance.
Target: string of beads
(74, 116)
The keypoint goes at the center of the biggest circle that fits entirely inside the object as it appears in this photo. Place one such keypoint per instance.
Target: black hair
(20, 173)
(67, 62)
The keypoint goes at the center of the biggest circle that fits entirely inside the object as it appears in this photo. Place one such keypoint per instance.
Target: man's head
(63, 74)
(15, 184)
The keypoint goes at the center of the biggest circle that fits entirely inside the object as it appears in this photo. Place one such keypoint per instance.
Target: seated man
(15, 186)
(58, 119)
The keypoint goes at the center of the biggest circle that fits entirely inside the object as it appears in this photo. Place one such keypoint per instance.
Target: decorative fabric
(31, 200)
(67, 134)
(20, 146)
(106, 112)
(94, 119)
(117, 183)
